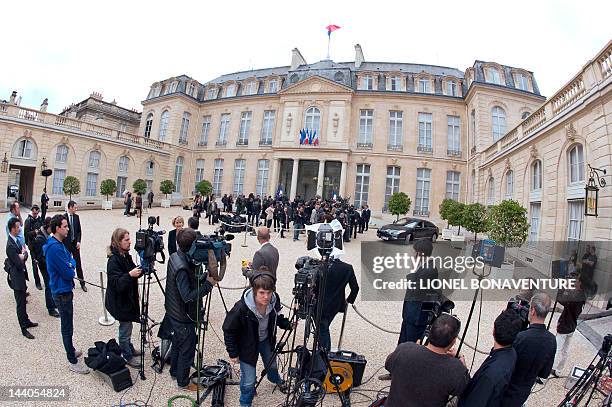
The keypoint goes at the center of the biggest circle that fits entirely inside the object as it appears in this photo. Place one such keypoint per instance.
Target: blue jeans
(64, 307)
(125, 339)
(248, 373)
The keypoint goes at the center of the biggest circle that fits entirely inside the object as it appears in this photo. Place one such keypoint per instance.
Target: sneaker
(555, 373)
(134, 362)
(79, 368)
(386, 376)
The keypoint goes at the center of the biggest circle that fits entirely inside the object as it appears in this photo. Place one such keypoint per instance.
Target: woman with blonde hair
(122, 292)
(178, 222)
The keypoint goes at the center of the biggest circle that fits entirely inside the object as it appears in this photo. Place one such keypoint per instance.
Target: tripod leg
(222, 299)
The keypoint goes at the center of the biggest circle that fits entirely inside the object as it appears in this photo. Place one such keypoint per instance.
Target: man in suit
(339, 275)
(15, 266)
(267, 255)
(44, 203)
(365, 214)
(73, 242)
(31, 226)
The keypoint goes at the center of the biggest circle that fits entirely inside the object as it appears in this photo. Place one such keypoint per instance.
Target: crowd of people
(427, 374)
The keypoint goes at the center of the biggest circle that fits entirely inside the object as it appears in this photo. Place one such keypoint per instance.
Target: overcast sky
(65, 50)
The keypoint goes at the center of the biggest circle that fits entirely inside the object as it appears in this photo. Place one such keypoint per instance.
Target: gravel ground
(43, 362)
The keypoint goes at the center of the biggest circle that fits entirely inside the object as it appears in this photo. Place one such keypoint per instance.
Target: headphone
(261, 273)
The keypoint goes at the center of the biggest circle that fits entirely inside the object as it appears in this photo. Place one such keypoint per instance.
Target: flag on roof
(331, 28)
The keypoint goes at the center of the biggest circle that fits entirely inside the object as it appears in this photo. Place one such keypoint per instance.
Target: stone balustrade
(50, 119)
(568, 95)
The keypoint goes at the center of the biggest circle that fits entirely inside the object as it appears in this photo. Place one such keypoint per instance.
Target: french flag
(331, 28)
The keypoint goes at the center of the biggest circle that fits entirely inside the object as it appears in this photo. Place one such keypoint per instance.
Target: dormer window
(211, 94)
(367, 82)
(251, 88)
(230, 90)
(424, 85)
(522, 82)
(173, 87)
(395, 83)
(272, 86)
(493, 76)
(451, 88)
(191, 90)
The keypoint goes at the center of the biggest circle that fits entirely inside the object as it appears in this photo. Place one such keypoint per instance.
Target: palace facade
(356, 129)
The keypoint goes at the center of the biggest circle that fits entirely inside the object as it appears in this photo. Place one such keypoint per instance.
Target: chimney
(43, 106)
(296, 59)
(13, 97)
(96, 95)
(358, 56)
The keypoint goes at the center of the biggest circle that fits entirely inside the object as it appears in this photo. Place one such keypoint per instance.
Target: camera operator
(535, 353)
(339, 275)
(572, 301)
(249, 330)
(32, 224)
(122, 292)
(182, 297)
(487, 387)
(42, 235)
(425, 376)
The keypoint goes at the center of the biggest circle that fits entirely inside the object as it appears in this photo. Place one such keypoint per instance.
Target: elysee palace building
(484, 134)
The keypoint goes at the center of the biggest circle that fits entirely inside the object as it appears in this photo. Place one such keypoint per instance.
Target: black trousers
(49, 303)
(361, 225)
(354, 227)
(183, 351)
(77, 257)
(34, 268)
(22, 315)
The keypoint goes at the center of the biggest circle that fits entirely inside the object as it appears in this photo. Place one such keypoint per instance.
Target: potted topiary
(166, 187)
(107, 188)
(72, 186)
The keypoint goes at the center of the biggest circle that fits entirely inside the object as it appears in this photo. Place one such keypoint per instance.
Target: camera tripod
(590, 378)
(149, 270)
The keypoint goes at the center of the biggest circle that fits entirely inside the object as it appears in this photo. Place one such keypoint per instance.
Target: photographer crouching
(122, 292)
(249, 330)
(184, 290)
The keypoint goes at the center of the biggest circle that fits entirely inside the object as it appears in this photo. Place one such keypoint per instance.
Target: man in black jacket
(535, 353)
(184, 306)
(249, 330)
(42, 234)
(15, 266)
(339, 275)
(73, 241)
(487, 387)
(32, 224)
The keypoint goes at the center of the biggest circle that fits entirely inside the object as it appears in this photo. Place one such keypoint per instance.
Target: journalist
(426, 376)
(184, 292)
(122, 292)
(32, 224)
(249, 330)
(178, 223)
(489, 383)
(61, 268)
(535, 353)
(339, 275)
(42, 235)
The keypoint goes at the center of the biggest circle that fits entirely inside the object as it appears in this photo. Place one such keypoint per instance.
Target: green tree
(508, 224)
(166, 187)
(204, 187)
(72, 186)
(140, 185)
(475, 219)
(399, 204)
(445, 209)
(108, 187)
(456, 215)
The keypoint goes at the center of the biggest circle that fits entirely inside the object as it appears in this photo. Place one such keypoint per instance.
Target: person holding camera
(122, 292)
(184, 306)
(426, 376)
(339, 275)
(42, 235)
(32, 224)
(535, 353)
(249, 330)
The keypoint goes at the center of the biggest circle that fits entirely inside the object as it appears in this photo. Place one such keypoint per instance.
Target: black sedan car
(407, 229)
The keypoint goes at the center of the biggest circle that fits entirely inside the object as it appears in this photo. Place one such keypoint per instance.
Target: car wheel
(434, 237)
(407, 238)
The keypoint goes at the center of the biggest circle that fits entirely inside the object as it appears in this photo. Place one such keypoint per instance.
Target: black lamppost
(591, 190)
(45, 172)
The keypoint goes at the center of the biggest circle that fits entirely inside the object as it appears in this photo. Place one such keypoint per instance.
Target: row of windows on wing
(250, 87)
(422, 84)
(392, 185)
(261, 184)
(93, 170)
(493, 75)
(498, 123)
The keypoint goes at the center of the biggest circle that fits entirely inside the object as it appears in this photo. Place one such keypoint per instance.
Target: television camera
(521, 307)
(148, 244)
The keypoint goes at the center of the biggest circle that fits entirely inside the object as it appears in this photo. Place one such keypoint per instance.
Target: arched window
(509, 184)
(150, 166)
(61, 154)
(312, 120)
(499, 122)
(124, 163)
(178, 173)
(163, 125)
(25, 149)
(491, 191)
(536, 175)
(338, 76)
(493, 76)
(94, 160)
(148, 125)
(576, 164)
(525, 115)
(91, 186)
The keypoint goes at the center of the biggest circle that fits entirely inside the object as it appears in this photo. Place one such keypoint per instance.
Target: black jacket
(182, 290)
(171, 242)
(37, 248)
(241, 330)
(122, 291)
(32, 224)
(338, 276)
(75, 231)
(14, 266)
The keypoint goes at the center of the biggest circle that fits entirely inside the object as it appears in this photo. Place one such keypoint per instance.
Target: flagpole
(328, 41)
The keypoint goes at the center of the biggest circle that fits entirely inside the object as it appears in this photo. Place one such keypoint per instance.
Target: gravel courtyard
(43, 362)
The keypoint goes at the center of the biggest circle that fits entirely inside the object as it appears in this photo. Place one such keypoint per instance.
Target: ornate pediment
(316, 84)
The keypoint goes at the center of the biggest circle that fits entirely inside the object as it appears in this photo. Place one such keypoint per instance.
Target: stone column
(273, 180)
(343, 179)
(294, 179)
(321, 177)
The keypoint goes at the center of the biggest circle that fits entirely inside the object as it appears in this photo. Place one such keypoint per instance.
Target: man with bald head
(267, 255)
